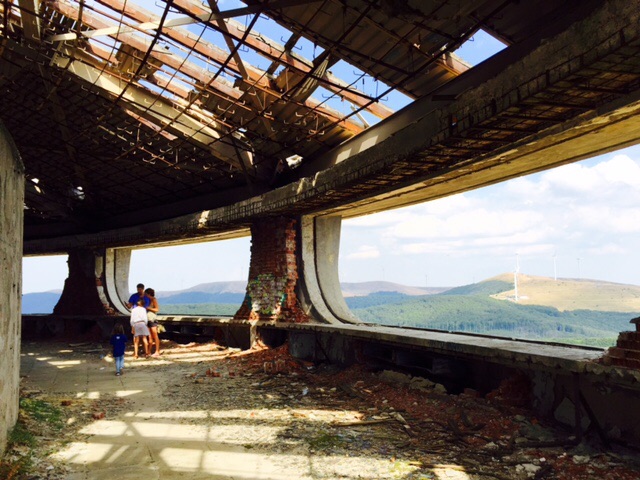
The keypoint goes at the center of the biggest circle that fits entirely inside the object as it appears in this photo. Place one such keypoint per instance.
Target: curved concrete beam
(308, 291)
(327, 240)
(116, 276)
(320, 284)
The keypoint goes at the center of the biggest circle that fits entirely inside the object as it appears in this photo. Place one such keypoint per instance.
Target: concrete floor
(147, 439)
(155, 427)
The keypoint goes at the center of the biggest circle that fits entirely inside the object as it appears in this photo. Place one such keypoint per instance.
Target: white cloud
(591, 208)
(620, 169)
(472, 222)
(364, 252)
(571, 178)
(608, 249)
(381, 219)
(606, 219)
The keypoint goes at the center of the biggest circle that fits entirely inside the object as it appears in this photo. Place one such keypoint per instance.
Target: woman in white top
(139, 328)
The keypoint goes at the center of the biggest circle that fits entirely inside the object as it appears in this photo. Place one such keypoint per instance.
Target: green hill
(205, 309)
(571, 293)
(493, 286)
(480, 314)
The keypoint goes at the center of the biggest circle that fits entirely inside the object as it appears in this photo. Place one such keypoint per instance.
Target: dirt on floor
(354, 423)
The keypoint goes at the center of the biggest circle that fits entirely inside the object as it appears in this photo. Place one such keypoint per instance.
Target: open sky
(578, 221)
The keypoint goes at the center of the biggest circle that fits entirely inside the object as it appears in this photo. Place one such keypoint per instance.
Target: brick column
(83, 292)
(626, 353)
(273, 273)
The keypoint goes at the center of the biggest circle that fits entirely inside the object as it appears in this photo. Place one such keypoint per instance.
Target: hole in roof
(329, 99)
(369, 86)
(151, 86)
(278, 70)
(269, 28)
(307, 49)
(479, 47)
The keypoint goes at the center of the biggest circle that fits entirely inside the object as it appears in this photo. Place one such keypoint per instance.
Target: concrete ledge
(559, 376)
(520, 354)
(509, 351)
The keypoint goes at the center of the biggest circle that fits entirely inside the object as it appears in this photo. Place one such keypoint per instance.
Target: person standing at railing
(133, 299)
(152, 316)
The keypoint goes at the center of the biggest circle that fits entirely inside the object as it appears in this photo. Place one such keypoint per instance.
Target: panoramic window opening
(479, 47)
(208, 278)
(551, 256)
(42, 282)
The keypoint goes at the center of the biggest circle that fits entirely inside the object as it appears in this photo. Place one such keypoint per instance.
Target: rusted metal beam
(255, 78)
(278, 53)
(176, 22)
(159, 111)
(142, 45)
(30, 20)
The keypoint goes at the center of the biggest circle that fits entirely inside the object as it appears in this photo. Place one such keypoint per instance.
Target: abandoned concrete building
(212, 124)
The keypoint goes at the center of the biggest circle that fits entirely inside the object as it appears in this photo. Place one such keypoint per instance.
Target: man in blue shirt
(133, 299)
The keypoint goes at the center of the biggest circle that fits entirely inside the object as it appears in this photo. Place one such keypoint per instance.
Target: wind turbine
(555, 271)
(515, 277)
(578, 267)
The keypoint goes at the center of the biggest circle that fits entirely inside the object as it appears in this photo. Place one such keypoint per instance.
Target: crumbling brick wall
(273, 273)
(626, 353)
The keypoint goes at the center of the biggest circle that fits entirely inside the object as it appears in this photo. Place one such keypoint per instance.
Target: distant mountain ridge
(563, 294)
(231, 292)
(212, 287)
(41, 302)
(367, 288)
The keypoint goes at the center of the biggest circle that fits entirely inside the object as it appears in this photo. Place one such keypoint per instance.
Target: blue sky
(582, 218)
(585, 214)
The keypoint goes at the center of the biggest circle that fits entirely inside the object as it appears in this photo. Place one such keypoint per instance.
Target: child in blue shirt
(118, 340)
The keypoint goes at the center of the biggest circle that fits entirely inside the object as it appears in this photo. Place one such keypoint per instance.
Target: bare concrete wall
(11, 218)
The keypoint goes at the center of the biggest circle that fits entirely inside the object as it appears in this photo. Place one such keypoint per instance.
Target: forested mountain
(568, 310)
(482, 314)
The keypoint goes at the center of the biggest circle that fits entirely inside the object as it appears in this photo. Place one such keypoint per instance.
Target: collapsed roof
(120, 106)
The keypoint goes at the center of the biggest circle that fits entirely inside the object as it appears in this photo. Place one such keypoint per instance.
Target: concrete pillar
(84, 292)
(273, 273)
(11, 225)
(319, 288)
(116, 273)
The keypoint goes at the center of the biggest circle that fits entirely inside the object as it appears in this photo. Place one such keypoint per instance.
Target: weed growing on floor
(17, 461)
(41, 411)
(36, 417)
(325, 441)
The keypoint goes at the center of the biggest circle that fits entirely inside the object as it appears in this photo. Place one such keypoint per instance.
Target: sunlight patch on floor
(127, 393)
(62, 363)
(176, 414)
(160, 434)
(450, 472)
(230, 463)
